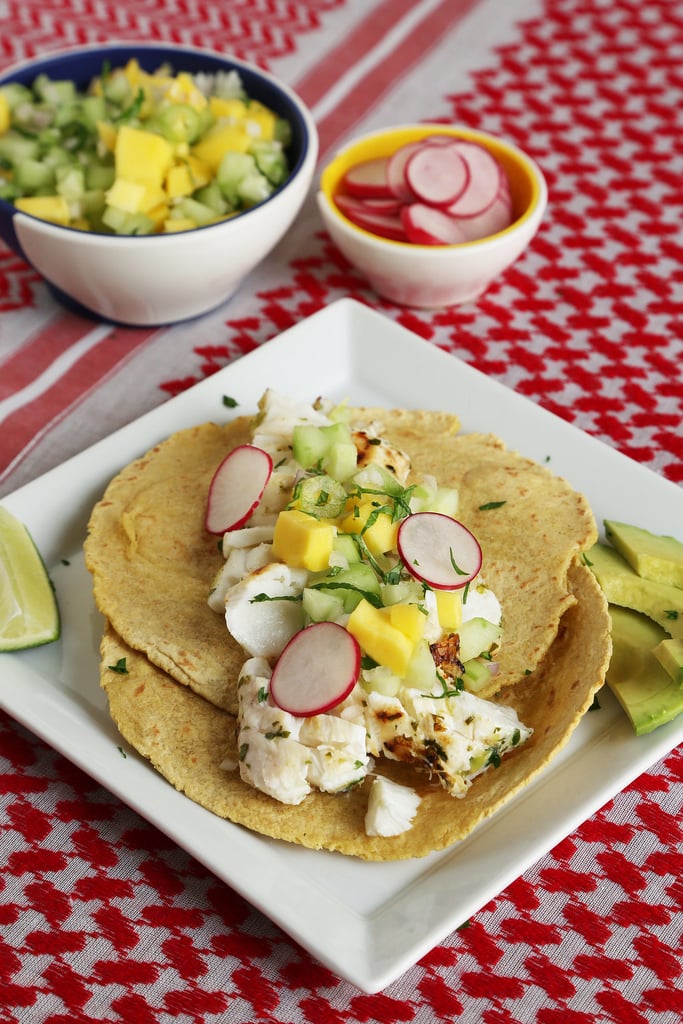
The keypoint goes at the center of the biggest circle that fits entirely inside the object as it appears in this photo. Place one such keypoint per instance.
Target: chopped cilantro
(491, 505)
(278, 734)
(119, 667)
(229, 403)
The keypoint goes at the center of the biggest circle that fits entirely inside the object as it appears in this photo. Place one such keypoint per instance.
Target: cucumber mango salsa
(138, 153)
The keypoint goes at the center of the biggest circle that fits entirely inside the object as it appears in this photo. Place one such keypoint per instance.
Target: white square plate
(367, 922)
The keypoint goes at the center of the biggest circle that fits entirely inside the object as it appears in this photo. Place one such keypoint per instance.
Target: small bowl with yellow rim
(426, 276)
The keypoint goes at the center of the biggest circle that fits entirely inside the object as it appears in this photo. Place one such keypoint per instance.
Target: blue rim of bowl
(85, 62)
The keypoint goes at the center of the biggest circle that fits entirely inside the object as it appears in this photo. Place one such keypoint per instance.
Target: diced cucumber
(194, 210)
(253, 188)
(341, 461)
(231, 170)
(57, 157)
(93, 109)
(321, 605)
(351, 584)
(117, 89)
(16, 93)
(270, 160)
(8, 190)
(32, 176)
(329, 447)
(406, 591)
(282, 132)
(346, 545)
(421, 672)
(382, 680)
(54, 92)
(15, 147)
(123, 223)
(309, 445)
(70, 182)
(210, 195)
(477, 674)
(336, 433)
(477, 636)
(99, 176)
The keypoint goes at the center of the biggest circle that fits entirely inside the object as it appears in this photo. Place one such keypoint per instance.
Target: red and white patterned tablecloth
(101, 917)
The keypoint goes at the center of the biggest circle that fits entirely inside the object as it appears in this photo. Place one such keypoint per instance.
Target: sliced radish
(367, 180)
(381, 205)
(484, 184)
(438, 550)
(237, 487)
(396, 172)
(388, 225)
(316, 671)
(425, 225)
(494, 219)
(437, 174)
(439, 140)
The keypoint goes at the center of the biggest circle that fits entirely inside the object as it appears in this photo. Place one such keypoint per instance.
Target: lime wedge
(29, 615)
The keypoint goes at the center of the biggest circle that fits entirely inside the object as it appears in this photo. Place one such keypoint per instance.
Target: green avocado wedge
(669, 654)
(654, 557)
(645, 690)
(623, 586)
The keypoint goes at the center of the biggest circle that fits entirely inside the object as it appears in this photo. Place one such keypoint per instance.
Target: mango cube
(229, 108)
(411, 619)
(380, 537)
(219, 141)
(260, 121)
(381, 640)
(183, 90)
(5, 115)
(142, 156)
(106, 132)
(449, 608)
(303, 542)
(133, 196)
(52, 208)
(174, 224)
(185, 178)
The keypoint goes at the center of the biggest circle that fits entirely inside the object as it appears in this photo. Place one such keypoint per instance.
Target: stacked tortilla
(152, 563)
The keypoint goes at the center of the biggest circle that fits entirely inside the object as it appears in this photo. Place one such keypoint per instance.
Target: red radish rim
(243, 507)
(452, 578)
(312, 636)
(421, 193)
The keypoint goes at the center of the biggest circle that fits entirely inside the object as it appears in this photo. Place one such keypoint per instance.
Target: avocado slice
(657, 558)
(669, 654)
(624, 587)
(645, 690)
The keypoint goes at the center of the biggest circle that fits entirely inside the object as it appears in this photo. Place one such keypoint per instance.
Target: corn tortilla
(152, 561)
(186, 738)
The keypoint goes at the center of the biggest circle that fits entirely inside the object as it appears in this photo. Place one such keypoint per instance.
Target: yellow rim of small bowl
(526, 182)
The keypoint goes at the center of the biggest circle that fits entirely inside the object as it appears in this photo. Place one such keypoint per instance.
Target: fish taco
(464, 680)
